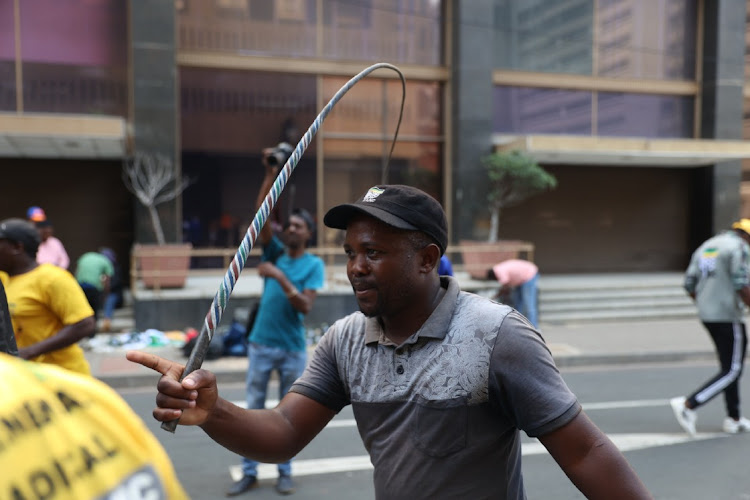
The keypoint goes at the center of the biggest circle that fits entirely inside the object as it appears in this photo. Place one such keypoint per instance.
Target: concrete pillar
(721, 102)
(154, 102)
(472, 39)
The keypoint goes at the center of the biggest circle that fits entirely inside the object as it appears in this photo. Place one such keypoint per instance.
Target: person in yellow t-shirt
(72, 437)
(48, 308)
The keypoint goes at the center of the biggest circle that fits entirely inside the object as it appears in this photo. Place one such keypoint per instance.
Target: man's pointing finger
(156, 363)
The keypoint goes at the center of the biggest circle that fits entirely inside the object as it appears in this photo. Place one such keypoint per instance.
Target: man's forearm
(262, 435)
(67, 335)
(607, 475)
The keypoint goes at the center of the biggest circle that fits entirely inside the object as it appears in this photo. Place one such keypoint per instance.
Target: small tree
(513, 177)
(151, 178)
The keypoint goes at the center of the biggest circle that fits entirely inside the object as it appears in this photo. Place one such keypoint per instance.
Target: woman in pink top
(51, 250)
(520, 278)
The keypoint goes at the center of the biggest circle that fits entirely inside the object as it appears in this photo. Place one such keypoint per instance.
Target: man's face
(381, 266)
(296, 232)
(8, 249)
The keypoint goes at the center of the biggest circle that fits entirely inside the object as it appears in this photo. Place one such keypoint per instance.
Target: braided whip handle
(219, 303)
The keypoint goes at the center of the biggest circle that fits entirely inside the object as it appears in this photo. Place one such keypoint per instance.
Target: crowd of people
(434, 425)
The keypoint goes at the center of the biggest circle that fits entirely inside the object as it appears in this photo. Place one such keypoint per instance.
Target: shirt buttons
(400, 369)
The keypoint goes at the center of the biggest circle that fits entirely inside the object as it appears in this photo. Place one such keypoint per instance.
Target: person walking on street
(277, 340)
(114, 298)
(718, 280)
(94, 273)
(48, 309)
(518, 278)
(441, 381)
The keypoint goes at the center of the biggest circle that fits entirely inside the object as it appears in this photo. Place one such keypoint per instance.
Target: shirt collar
(436, 325)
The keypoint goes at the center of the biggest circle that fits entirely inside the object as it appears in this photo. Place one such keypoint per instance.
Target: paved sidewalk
(571, 345)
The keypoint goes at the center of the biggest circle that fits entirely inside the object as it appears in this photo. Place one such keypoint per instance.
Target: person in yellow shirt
(48, 308)
(71, 437)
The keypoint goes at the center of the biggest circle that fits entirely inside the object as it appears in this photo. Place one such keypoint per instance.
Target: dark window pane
(541, 111)
(642, 115)
(7, 57)
(363, 30)
(544, 35)
(647, 39)
(242, 112)
(74, 56)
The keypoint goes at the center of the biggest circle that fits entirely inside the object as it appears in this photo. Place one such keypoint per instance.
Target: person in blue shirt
(292, 277)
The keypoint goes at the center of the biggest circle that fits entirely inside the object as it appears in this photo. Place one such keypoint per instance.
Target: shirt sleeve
(740, 267)
(321, 381)
(525, 385)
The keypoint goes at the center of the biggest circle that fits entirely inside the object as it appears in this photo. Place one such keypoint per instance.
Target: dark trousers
(730, 340)
(94, 296)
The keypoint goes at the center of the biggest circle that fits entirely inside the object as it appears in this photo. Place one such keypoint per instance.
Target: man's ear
(430, 258)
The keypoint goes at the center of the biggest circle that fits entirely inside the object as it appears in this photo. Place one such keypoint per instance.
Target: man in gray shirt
(718, 279)
(441, 381)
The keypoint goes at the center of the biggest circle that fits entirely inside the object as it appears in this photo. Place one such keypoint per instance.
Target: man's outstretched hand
(191, 400)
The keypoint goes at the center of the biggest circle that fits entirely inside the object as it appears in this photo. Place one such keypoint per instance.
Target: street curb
(135, 380)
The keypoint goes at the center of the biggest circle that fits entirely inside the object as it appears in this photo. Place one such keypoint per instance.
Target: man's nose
(358, 265)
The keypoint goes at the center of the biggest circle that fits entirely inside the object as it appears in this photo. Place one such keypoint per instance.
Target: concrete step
(620, 315)
(615, 303)
(576, 299)
(611, 294)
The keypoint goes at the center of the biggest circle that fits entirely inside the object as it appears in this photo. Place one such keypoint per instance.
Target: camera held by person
(277, 156)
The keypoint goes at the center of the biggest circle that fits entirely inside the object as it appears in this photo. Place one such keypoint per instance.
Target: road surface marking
(625, 442)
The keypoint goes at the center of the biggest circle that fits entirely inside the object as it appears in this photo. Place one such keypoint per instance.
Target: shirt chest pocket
(439, 429)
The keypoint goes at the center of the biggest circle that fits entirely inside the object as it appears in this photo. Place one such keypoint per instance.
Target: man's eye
(372, 253)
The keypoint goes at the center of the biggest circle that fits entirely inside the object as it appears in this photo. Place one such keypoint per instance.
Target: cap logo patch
(372, 194)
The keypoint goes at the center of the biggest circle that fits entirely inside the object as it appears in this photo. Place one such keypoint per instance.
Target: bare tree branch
(151, 178)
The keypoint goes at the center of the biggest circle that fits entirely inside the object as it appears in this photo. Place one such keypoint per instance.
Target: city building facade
(640, 108)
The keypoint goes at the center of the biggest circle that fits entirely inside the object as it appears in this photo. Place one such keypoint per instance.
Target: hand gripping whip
(219, 303)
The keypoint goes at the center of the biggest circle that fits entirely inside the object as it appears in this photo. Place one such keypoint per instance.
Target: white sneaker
(685, 416)
(732, 426)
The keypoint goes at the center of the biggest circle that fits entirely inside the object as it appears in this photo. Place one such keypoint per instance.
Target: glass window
(74, 56)
(643, 115)
(541, 111)
(7, 57)
(372, 107)
(647, 39)
(367, 30)
(232, 111)
(634, 38)
(544, 35)
(353, 166)
(263, 27)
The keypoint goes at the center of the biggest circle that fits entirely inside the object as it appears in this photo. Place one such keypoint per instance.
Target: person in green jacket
(94, 273)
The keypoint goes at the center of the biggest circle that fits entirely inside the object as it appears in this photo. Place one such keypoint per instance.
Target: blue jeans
(525, 300)
(110, 303)
(263, 360)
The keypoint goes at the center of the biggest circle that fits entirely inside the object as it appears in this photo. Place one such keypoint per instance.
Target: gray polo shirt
(440, 414)
(718, 269)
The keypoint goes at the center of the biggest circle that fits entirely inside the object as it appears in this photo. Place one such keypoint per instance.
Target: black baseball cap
(20, 231)
(400, 206)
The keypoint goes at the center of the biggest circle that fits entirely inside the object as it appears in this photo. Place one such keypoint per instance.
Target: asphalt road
(629, 403)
